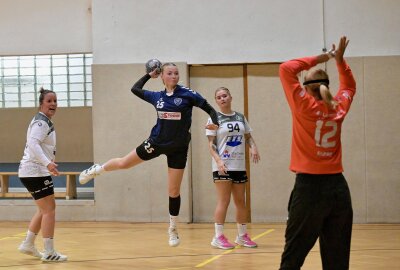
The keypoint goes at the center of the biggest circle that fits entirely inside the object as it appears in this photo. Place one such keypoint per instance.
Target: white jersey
(230, 140)
(40, 147)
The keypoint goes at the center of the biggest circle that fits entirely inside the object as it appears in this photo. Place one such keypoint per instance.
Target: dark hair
(43, 92)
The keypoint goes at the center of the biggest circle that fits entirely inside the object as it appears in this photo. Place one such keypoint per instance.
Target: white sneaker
(89, 174)
(53, 257)
(29, 249)
(173, 237)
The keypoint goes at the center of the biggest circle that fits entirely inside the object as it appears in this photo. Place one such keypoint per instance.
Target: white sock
(219, 229)
(172, 221)
(242, 229)
(100, 170)
(48, 245)
(30, 237)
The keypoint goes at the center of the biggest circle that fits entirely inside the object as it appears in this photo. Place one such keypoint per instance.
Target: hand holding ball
(153, 64)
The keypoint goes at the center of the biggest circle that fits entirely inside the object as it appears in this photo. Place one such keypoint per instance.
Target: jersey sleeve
(296, 95)
(151, 97)
(347, 86)
(197, 99)
(38, 133)
(247, 128)
(39, 130)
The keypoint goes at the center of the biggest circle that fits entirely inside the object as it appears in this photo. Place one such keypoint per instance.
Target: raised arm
(137, 88)
(346, 78)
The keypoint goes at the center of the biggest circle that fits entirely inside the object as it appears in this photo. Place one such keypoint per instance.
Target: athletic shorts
(176, 155)
(39, 187)
(237, 177)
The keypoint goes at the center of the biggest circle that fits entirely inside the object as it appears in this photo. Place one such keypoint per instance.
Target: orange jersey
(316, 144)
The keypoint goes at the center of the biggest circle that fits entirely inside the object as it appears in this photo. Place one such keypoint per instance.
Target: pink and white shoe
(245, 241)
(221, 242)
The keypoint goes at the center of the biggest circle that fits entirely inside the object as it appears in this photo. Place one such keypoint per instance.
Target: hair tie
(322, 81)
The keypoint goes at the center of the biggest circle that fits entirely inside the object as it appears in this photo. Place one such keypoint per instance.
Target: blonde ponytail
(327, 96)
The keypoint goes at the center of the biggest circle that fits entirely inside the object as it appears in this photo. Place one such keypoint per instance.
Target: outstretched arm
(213, 114)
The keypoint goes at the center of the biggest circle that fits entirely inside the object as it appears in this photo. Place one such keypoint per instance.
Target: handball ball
(153, 64)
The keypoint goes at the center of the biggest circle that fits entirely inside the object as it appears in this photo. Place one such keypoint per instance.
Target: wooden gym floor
(114, 245)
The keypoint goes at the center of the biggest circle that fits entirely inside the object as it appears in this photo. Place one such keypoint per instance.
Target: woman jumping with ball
(170, 136)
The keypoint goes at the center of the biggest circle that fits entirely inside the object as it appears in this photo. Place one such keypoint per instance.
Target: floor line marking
(19, 235)
(230, 250)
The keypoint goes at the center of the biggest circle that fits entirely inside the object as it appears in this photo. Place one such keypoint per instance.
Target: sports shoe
(53, 256)
(221, 242)
(29, 249)
(245, 241)
(173, 237)
(89, 174)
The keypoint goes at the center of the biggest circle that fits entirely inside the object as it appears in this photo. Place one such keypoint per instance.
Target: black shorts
(237, 177)
(176, 155)
(39, 187)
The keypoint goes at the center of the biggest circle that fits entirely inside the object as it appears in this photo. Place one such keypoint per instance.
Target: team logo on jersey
(346, 95)
(226, 154)
(234, 140)
(160, 104)
(169, 115)
(177, 101)
(239, 118)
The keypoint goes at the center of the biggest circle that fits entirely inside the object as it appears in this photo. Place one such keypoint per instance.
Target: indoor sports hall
(91, 52)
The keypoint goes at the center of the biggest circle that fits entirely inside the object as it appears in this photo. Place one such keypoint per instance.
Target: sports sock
(30, 237)
(172, 221)
(100, 170)
(219, 229)
(48, 244)
(174, 205)
(242, 229)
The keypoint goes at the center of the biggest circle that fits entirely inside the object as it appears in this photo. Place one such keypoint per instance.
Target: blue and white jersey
(230, 140)
(174, 115)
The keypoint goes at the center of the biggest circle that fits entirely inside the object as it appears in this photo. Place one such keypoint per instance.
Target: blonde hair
(168, 64)
(321, 89)
(222, 89)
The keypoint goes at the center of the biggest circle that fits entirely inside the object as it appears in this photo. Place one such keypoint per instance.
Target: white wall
(192, 31)
(45, 26)
(372, 26)
(240, 31)
(206, 31)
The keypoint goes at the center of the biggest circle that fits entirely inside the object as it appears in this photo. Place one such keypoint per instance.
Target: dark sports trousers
(319, 206)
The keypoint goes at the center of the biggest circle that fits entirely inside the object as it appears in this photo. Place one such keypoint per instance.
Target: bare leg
(223, 199)
(126, 162)
(47, 207)
(174, 186)
(238, 193)
(36, 222)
